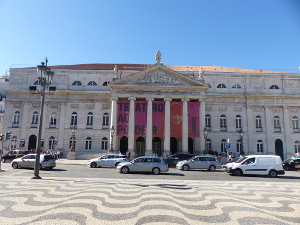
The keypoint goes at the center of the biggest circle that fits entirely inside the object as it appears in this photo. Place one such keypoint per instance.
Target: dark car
(291, 164)
(11, 155)
(173, 159)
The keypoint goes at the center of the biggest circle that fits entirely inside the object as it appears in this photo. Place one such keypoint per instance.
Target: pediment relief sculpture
(158, 78)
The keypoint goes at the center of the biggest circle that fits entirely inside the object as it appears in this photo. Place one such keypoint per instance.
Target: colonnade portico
(166, 138)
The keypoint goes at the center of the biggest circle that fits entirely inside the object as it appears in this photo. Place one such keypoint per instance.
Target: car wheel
(156, 171)
(185, 167)
(238, 172)
(212, 168)
(124, 170)
(93, 165)
(117, 164)
(287, 168)
(273, 173)
(15, 165)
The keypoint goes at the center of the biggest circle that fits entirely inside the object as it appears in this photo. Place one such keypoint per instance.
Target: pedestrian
(129, 153)
(297, 155)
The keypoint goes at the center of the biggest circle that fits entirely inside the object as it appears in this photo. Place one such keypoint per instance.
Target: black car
(173, 159)
(291, 164)
(11, 155)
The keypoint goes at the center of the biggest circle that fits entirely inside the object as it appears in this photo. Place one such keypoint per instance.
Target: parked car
(107, 160)
(291, 164)
(257, 164)
(173, 159)
(154, 164)
(28, 161)
(210, 163)
(14, 154)
(233, 160)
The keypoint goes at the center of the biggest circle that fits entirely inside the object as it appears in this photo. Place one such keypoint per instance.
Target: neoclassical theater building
(156, 108)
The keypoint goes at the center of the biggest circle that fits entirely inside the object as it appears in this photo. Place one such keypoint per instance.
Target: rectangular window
(238, 123)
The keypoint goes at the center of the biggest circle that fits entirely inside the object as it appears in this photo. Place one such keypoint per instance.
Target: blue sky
(256, 34)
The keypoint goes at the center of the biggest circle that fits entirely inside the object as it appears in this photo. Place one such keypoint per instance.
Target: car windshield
(288, 160)
(241, 159)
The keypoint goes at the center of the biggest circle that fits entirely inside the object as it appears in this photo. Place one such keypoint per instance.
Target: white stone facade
(264, 104)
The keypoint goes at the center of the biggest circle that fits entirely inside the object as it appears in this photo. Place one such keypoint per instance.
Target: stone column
(250, 128)
(268, 132)
(131, 125)
(167, 148)
(63, 129)
(149, 127)
(287, 148)
(24, 121)
(202, 124)
(113, 123)
(185, 131)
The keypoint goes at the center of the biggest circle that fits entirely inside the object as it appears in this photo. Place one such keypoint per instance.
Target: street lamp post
(45, 76)
(73, 130)
(242, 144)
(112, 134)
(205, 140)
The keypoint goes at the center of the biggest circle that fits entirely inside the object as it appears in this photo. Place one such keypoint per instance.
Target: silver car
(28, 161)
(108, 160)
(199, 162)
(152, 164)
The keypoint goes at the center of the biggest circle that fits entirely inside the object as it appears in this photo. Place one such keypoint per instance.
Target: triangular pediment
(158, 75)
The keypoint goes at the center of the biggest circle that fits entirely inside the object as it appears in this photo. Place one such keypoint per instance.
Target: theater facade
(157, 109)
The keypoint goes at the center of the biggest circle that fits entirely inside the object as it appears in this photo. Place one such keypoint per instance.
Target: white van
(257, 164)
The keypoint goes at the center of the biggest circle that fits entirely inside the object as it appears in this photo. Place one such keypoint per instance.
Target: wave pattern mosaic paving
(93, 201)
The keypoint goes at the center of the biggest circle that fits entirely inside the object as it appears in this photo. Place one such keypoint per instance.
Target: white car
(109, 160)
(199, 162)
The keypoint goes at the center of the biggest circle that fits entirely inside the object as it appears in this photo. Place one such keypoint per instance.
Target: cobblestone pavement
(136, 201)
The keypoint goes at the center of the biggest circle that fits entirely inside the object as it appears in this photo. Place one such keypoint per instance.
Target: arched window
(276, 122)
(297, 146)
(104, 144)
(237, 86)
(295, 122)
(74, 118)
(259, 146)
(238, 122)
(258, 122)
(89, 119)
(105, 83)
(223, 145)
(52, 142)
(35, 118)
(274, 87)
(88, 143)
(223, 123)
(92, 83)
(221, 86)
(16, 119)
(207, 121)
(38, 82)
(76, 83)
(105, 121)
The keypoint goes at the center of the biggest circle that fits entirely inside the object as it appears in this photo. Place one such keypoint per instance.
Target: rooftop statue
(158, 57)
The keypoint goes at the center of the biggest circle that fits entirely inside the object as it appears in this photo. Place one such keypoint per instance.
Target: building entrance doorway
(140, 146)
(124, 145)
(173, 145)
(279, 148)
(156, 146)
(191, 145)
(32, 142)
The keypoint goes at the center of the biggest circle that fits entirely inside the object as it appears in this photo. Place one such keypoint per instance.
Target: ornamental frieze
(257, 109)
(158, 78)
(238, 109)
(140, 92)
(223, 109)
(90, 106)
(294, 110)
(276, 110)
(74, 106)
(53, 105)
(105, 106)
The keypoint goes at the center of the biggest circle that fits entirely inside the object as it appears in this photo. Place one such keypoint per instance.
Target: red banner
(176, 119)
(122, 118)
(140, 119)
(158, 118)
(193, 119)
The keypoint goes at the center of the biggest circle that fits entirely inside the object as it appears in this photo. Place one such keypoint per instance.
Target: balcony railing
(52, 125)
(89, 126)
(105, 126)
(277, 129)
(15, 125)
(33, 125)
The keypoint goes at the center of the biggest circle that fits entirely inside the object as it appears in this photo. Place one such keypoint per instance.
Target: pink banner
(193, 119)
(158, 118)
(140, 118)
(176, 119)
(122, 118)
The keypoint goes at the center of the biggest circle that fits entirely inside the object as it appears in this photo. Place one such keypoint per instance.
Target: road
(72, 193)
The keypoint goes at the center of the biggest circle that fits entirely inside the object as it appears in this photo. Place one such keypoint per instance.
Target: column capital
(132, 98)
(150, 99)
(167, 99)
(185, 99)
(202, 100)
(114, 98)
